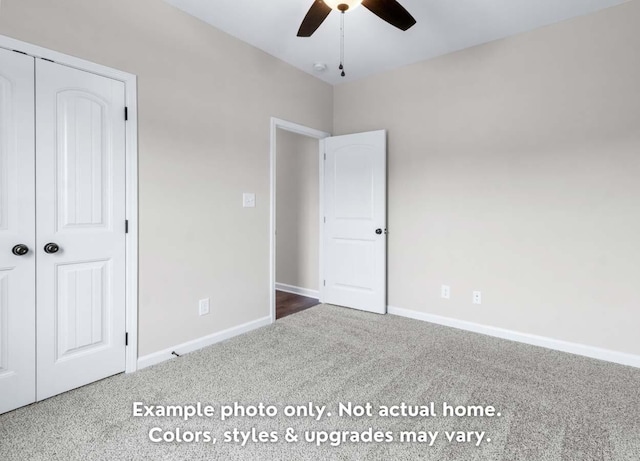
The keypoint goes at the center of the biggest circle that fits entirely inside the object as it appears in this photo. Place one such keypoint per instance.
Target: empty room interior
(320, 229)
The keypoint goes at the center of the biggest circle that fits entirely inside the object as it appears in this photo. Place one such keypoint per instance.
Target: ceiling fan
(389, 10)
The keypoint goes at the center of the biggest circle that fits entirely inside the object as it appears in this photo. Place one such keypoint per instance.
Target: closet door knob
(20, 250)
(51, 248)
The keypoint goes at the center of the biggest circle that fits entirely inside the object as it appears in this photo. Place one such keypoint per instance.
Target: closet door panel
(17, 227)
(81, 210)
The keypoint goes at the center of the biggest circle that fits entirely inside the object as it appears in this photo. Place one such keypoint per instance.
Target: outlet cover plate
(203, 306)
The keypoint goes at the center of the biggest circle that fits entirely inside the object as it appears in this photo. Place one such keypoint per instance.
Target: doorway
(296, 210)
(297, 223)
(352, 208)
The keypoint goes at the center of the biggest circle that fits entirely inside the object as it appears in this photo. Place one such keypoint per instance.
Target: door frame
(131, 159)
(285, 125)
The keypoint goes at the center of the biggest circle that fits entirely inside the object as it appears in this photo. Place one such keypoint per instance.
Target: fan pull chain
(341, 67)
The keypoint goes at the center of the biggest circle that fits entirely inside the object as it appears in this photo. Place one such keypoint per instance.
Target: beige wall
(205, 102)
(514, 169)
(297, 199)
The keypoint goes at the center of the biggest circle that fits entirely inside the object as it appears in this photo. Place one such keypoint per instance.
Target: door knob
(51, 248)
(20, 250)
(378, 231)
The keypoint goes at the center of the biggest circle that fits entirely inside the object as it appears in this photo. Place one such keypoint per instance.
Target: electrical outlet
(203, 306)
(445, 291)
(477, 297)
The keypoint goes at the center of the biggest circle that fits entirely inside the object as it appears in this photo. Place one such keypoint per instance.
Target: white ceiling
(372, 45)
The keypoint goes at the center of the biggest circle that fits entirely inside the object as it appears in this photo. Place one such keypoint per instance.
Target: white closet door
(80, 174)
(17, 227)
(355, 240)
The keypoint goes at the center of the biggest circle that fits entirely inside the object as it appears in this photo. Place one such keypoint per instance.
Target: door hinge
(126, 114)
(324, 283)
(126, 339)
(325, 155)
(126, 226)
(325, 220)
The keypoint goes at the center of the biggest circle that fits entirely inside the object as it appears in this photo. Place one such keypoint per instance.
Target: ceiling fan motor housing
(343, 5)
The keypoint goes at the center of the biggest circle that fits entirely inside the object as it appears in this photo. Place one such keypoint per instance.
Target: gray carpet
(554, 406)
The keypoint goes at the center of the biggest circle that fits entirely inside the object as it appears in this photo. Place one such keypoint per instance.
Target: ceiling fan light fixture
(338, 5)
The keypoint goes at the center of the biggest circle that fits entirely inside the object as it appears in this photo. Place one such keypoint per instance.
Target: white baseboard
(196, 344)
(298, 291)
(541, 341)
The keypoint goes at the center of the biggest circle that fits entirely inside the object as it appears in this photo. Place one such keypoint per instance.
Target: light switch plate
(249, 200)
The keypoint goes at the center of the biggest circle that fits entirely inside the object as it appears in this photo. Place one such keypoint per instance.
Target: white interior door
(80, 171)
(355, 240)
(17, 227)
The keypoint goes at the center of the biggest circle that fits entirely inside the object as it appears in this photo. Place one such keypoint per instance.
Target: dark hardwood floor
(288, 303)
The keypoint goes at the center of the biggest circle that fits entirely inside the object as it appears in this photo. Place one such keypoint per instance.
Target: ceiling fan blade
(316, 16)
(392, 12)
